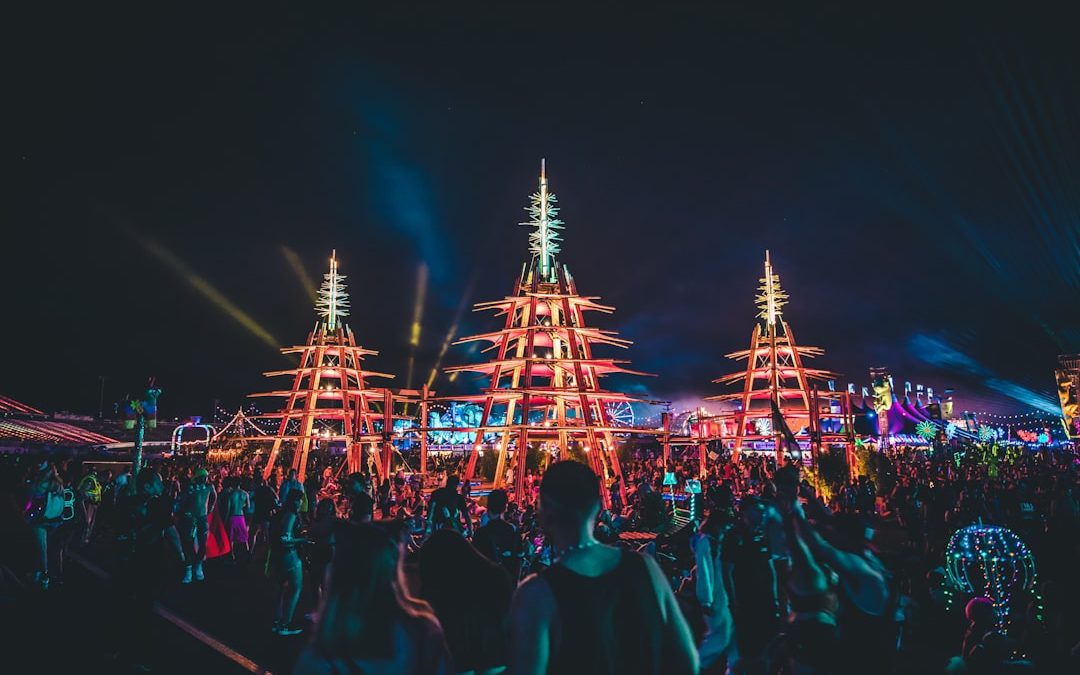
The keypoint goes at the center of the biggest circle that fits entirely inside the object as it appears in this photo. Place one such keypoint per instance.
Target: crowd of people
(769, 576)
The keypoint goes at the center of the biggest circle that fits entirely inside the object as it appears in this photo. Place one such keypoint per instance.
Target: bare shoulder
(659, 583)
(654, 567)
(534, 595)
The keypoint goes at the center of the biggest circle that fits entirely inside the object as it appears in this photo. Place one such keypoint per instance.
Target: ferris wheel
(620, 413)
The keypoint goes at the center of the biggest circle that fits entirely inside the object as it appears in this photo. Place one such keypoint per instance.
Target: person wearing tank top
(598, 609)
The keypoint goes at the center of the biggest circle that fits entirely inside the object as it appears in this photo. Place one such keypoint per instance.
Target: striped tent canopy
(9, 406)
(45, 431)
(26, 424)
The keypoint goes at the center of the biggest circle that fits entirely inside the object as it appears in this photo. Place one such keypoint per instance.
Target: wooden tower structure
(328, 399)
(776, 379)
(544, 380)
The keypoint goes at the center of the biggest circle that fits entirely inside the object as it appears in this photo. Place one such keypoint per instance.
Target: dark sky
(915, 176)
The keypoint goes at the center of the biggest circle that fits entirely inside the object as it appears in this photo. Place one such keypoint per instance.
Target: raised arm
(867, 583)
(703, 585)
(807, 577)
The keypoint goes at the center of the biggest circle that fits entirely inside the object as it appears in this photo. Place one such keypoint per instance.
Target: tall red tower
(776, 379)
(544, 381)
(329, 399)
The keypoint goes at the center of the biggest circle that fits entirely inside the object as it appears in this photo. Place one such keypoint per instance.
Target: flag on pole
(787, 438)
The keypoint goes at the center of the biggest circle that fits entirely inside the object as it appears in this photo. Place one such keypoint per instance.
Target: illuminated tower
(776, 379)
(544, 382)
(329, 399)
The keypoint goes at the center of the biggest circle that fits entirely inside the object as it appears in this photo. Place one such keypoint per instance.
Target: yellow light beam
(298, 268)
(418, 314)
(450, 335)
(418, 307)
(206, 289)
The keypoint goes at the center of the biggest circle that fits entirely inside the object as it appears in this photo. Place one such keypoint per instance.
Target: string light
(993, 562)
(1039, 414)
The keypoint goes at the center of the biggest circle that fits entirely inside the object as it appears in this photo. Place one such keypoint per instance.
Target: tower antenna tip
(543, 167)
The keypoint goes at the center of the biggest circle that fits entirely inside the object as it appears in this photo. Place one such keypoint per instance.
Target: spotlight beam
(418, 315)
(298, 268)
(450, 335)
(206, 289)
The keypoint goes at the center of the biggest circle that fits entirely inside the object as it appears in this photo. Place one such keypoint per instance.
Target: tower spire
(771, 297)
(333, 301)
(543, 217)
(780, 397)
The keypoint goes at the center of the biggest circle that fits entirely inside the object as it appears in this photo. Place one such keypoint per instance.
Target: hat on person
(201, 473)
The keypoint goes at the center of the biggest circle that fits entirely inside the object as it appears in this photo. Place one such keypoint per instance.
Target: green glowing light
(543, 216)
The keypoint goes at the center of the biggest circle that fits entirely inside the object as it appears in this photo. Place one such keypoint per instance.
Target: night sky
(916, 177)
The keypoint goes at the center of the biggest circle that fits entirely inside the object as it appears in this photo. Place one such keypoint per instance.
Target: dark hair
(496, 501)
(717, 522)
(452, 482)
(361, 600)
(145, 478)
(470, 596)
(569, 492)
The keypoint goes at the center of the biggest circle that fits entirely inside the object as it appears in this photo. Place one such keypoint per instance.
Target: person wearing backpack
(44, 511)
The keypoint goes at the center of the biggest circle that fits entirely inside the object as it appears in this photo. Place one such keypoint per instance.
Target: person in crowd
(235, 503)
(321, 551)
(867, 603)
(292, 482)
(384, 492)
(711, 590)
(471, 598)
(87, 501)
(369, 623)
(448, 509)
(981, 620)
(120, 483)
(358, 492)
(811, 637)
(43, 513)
(286, 567)
(264, 504)
(311, 491)
(196, 502)
(152, 552)
(753, 587)
(597, 609)
(498, 540)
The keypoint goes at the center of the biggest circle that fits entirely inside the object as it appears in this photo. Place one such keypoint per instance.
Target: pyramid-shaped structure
(777, 379)
(328, 397)
(543, 380)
